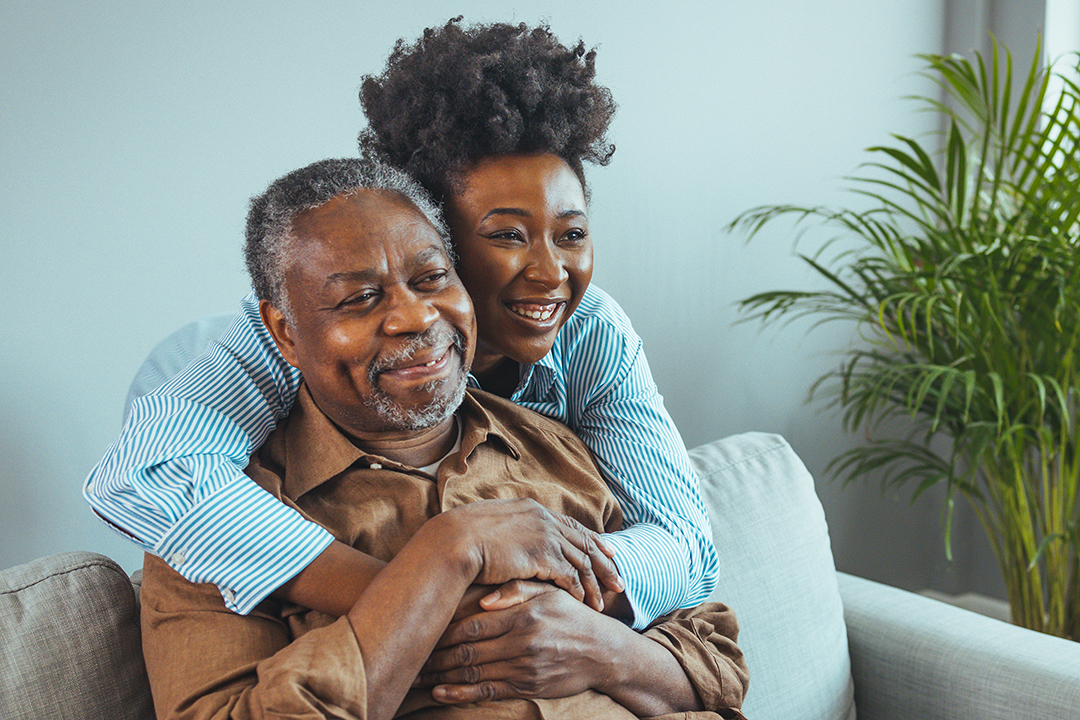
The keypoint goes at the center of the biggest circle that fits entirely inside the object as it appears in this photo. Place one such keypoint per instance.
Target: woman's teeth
(536, 314)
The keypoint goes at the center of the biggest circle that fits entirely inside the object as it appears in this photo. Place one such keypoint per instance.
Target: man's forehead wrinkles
(371, 274)
(365, 275)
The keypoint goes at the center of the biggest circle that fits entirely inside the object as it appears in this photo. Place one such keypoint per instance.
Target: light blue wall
(134, 132)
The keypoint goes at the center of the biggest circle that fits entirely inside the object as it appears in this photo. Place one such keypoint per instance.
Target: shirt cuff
(243, 540)
(653, 568)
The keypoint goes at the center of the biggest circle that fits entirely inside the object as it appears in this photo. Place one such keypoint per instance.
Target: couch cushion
(777, 573)
(69, 641)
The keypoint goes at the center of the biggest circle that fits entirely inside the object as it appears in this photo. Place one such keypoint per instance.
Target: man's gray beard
(441, 406)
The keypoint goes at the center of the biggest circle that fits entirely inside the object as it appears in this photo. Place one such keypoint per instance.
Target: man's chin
(439, 402)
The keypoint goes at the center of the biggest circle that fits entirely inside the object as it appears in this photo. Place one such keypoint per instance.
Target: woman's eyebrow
(520, 212)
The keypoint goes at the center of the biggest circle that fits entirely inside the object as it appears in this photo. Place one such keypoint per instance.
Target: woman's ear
(280, 329)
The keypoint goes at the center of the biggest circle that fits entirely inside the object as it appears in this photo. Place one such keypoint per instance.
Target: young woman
(496, 122)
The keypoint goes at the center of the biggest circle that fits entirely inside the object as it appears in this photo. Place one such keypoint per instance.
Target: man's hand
(521, 540)
(545, 647)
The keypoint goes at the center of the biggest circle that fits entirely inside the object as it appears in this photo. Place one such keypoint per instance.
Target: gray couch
(819, 643)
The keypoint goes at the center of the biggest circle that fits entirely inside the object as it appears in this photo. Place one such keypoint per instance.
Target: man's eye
(434, 279)
(360, 298)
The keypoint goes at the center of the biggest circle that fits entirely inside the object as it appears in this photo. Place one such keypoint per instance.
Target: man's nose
(545, 266)
(408, 312)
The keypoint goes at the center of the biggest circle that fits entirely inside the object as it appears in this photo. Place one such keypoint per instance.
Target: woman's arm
(665, 552)
(173, 481)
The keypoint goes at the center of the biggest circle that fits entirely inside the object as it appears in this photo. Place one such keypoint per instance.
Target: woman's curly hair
(462, 94)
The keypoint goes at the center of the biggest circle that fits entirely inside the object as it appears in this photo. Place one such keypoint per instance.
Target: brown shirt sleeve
(702, 639)
(206, 661)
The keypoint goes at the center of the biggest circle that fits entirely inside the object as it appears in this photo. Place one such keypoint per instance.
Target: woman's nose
(545, 266)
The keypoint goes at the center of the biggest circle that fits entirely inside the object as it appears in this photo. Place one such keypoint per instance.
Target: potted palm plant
(964, 280)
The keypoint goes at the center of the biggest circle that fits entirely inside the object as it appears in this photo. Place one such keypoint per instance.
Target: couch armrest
(913, 657)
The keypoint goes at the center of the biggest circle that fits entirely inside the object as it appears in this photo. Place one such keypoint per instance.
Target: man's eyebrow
(435, 251)
(351, 276)
(371, 275)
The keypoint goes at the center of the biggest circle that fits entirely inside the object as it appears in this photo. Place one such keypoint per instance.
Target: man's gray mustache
(426, 340)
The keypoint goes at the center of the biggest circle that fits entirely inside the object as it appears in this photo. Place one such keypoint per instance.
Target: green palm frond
(964, 282)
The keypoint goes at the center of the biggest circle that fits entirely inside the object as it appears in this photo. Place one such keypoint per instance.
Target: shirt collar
(317, 451)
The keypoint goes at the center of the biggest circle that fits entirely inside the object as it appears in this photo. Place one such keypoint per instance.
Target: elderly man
(387, 449)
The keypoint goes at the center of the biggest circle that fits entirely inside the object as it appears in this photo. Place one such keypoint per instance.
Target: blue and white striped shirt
(174, 482)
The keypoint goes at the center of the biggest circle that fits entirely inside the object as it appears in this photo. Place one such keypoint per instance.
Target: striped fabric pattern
(173, 481)
(597, 381)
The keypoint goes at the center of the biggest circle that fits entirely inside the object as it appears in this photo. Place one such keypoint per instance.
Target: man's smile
(422, 364)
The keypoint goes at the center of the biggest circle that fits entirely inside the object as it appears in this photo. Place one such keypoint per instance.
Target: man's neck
(416, 449)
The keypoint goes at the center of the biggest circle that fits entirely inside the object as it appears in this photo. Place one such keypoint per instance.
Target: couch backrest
(69, 641)
(777, 573)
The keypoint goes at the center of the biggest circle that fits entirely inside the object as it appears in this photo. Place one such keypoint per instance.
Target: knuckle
(472, 675)
(587, 543)
(486, 691)
(471, 629)
(529, 505)
(532, 615)
(527, 685)
(465, 654)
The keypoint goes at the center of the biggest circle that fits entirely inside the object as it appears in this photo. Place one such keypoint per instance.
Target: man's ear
(280, 329)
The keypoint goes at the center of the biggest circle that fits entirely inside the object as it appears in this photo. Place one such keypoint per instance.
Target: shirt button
(376, 466)
(178, 558)
(228, 595)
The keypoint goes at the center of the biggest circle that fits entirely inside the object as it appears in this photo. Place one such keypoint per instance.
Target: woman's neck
(498, 375)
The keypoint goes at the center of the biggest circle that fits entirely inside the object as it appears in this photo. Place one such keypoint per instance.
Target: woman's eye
(574, 236)
(511, 235)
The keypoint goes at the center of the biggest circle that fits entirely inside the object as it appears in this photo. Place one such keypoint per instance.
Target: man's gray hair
(268, 237)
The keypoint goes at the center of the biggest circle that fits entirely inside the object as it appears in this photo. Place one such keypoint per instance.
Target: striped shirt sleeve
(174, 483)
(665, 553)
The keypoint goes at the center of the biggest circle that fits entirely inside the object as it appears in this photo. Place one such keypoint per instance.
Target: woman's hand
(549, 646)
(521, 540)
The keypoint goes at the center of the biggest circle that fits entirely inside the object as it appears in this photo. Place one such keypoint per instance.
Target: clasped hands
(539, 633)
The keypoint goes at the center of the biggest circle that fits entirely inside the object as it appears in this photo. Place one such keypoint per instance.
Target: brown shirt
(284, 660)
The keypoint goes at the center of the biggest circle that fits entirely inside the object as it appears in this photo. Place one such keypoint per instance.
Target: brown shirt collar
(316, 450)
